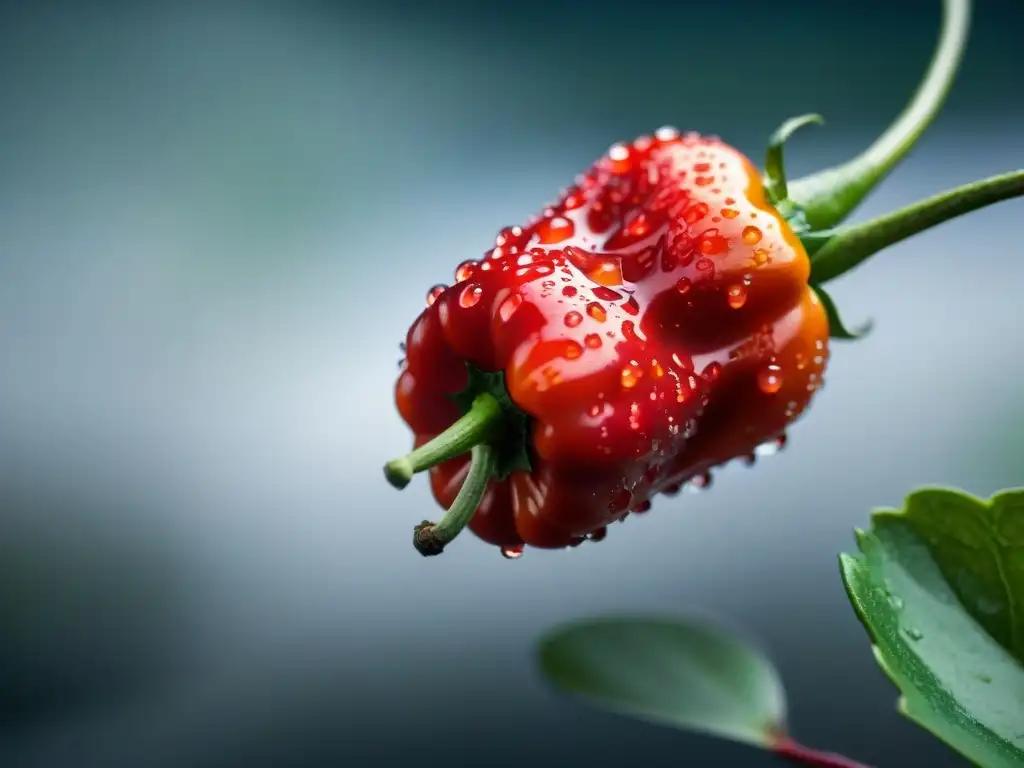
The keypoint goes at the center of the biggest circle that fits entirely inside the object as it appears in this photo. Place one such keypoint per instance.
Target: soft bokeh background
(216, 223)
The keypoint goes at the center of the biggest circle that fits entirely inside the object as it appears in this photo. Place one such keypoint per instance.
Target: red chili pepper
(655, 322)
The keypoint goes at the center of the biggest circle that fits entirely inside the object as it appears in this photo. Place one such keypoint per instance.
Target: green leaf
(684, 674)
(940, 588)
(836, 328)
(774, 167)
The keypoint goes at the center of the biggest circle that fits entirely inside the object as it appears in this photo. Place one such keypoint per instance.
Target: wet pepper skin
(654, 323)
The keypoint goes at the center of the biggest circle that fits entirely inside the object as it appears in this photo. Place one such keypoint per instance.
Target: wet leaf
(939, 586)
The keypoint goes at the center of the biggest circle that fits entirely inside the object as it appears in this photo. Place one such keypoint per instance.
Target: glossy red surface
(655, 322)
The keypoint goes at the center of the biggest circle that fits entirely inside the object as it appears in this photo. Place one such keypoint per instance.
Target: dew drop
(607, 294)
(573, 200)
(470, 296)
(555, 230)
(684, 285)
(512, 553)
(572, 319)
(730, 213)
(643, 506)
(592, 340)
(620, 158)
(695, 213)
(896, 602)
(569, 291)
(572, 350)
(509, 306)
(435, 292)
(751, 235)
(666, 133)
(672, 489)
(913, 633)
(769, 379)
(700, 482)
(596, 311)
(736, 295)
(713, 371)
(598, 534)
(631, 373)
(465, 270)
(712, 243)
(760, 257)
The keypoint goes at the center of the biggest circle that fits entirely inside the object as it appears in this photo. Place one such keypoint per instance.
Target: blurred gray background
(216, 224)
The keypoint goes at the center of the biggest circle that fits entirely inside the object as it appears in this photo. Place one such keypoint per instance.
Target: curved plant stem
(829, 196)
(475, 426)
(790, 750)
(849, 246)
(431, 538)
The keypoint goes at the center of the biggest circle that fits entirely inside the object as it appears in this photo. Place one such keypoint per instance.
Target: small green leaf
(671, 672)
(836, 328)
(774, 167)
(940, 588)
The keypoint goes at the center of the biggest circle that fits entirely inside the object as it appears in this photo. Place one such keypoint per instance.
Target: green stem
(431, 538)
(829, 196)
(473, 428)
(849, 246)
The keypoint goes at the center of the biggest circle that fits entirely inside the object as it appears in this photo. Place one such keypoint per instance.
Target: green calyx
(816, 206)
(496, 434)
(511, 439)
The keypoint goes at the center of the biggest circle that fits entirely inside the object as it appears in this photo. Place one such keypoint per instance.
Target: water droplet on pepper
(736, 295)
(711, 243)
(470, 296)
(606, 294)
(631, 374)
(555, 230)
(465, 270)
(769, 379)
(620, 158)
(434, 292)
(509, 306)
(512, 553)
(666, 133)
